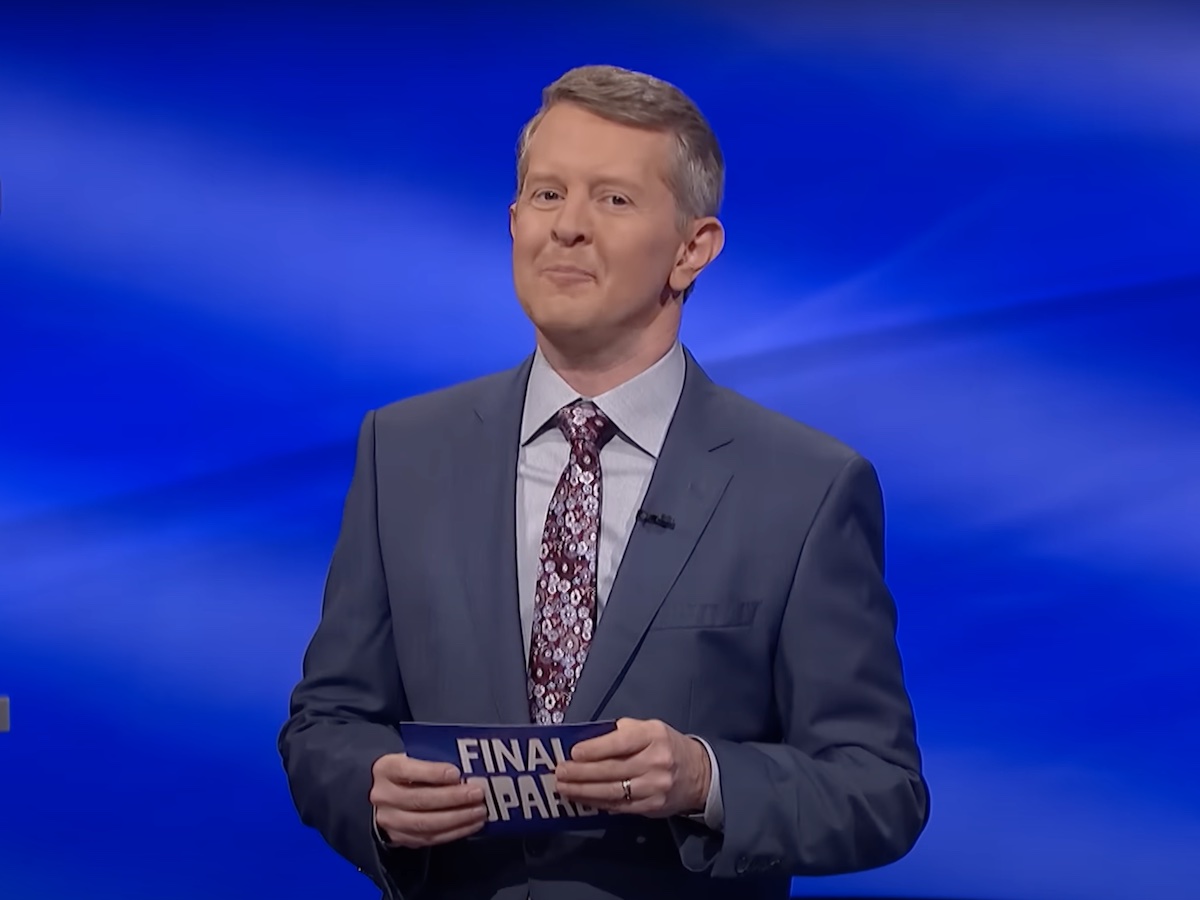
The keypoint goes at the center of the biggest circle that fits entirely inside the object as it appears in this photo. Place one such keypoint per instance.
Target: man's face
(595, 230)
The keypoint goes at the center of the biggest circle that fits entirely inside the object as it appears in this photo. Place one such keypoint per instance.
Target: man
(603, 533)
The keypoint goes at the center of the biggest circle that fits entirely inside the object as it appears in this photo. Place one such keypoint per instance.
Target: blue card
(514, 764)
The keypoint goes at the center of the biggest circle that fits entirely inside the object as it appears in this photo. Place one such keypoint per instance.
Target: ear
(705, 240)
(512, 220)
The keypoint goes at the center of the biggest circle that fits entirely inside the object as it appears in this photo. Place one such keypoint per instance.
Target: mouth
(567, 274)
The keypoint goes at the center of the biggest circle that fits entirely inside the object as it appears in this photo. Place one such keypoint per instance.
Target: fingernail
(475, 795)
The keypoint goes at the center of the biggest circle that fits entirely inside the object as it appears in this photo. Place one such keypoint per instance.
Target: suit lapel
(688, 482)
(483, 487)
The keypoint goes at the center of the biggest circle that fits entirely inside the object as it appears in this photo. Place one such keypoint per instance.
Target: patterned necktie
(564, 605)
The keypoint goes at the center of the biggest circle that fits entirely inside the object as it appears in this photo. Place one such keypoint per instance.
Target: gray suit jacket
(760, 622)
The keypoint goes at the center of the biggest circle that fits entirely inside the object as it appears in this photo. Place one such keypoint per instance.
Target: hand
(668, 772)
(422, 804)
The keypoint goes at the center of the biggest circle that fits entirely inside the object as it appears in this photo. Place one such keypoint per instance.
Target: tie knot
(582, 424)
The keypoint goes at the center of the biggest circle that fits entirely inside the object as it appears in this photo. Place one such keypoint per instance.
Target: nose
(572, 224)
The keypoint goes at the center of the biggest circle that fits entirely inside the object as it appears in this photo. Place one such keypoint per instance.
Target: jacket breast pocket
(706, 615)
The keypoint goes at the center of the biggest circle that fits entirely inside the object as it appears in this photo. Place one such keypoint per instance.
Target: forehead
(570, 140)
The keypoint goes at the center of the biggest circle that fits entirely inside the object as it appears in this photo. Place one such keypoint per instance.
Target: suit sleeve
(345, 708)
(842, 791)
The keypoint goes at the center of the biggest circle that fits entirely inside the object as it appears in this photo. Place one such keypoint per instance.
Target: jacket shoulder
(771, 436)
(444, 406)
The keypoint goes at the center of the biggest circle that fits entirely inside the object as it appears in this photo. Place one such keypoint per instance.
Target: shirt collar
(641, 408)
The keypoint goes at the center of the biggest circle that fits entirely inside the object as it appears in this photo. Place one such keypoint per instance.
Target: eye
(617, 200)
(546, 194)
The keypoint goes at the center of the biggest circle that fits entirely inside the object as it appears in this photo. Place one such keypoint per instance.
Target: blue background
(965, 238)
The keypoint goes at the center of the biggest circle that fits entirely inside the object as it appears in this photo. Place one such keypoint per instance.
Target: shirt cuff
(713, 816)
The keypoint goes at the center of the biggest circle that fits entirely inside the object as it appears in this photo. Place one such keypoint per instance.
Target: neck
(595, 369)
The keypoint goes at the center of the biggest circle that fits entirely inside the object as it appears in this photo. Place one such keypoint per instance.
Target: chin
(581, 331)
(563, 311)
(569, 329)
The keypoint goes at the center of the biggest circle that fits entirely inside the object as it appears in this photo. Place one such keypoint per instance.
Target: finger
(429, 824)
(611, 795)
(649, 798)
(460, 833)
(422, 798)
(400, 768)
(596, 793)
(631, 736)
(455, 834)
(655, 756)
(606, 770)
(432, 840)
(420, 828)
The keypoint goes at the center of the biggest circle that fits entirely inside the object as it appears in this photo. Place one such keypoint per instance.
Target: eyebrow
(614, 180)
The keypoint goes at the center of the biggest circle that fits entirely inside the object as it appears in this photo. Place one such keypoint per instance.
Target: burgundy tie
(564, 605)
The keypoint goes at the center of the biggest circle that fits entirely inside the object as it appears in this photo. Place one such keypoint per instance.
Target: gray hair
(697, 177)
